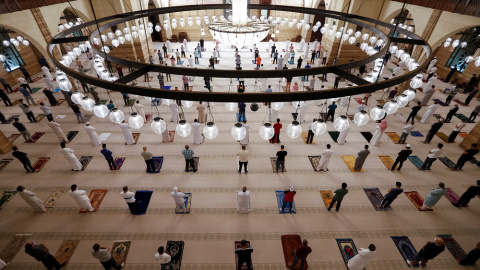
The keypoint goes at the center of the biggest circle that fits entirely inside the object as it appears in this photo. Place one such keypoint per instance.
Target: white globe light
(158, 125)
(25, 42)
(167, 101)
(105, 49)
(463, 44)
(187, 103)
(183, 128)
(413, 65)
(104, 38)
(2, 58)
(373, 39)
(87, 104)
(468, 59)
(231, 106)
(391, 107)
(352, 40)
(15, 42)
(399, 53)
(379, 42)
(100, 110)
(365, 36)
(455, 43)
(338, 34)
(358, 34)
(277, 105)
(110, 35)
(404, 57)
(393, 49)
(134, 28)
(128, 37)
(115, 42)
(341, 123)
(118, 32)
(477, 63)
(135, 121)
(210, 131)
(116, 116)
(158, 28)
(361, 118)
(61, 27)
(96, 41)
(363, 46)
(6, 43)
(121, 40)
(294, 130)
(319, 127)
(377, 113)
(134, 35)
(449, 40)
(446, 44)
(266, 132)
(77, 97)
(402, 100)
(64, 84)
(238, 132)
(410, 94)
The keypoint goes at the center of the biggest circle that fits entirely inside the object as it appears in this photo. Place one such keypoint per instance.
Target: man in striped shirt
(188, 154)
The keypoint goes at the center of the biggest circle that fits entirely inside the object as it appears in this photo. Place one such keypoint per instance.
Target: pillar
(473, 137)
(5, 144)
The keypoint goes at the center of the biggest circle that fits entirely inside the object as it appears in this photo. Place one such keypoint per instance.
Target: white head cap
(175, 189)
(292, 188)
(87, 123)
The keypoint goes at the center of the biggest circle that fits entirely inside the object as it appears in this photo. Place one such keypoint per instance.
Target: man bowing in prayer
(127, 133)
(197, 134)
(243, 201)
(80, 198)
(93, 134)
(362, 258)
(31, 199)
(69, 154)
(179, 199)
(323, 164)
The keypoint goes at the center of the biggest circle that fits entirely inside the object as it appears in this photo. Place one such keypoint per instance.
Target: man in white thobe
(165, 135)
(312, 83)
(69, 154)
(323, 164)
(429, 113)
(287, 44)
(431, 82)
(185, 45)
(244, 141)
(179, 199)
(31, 199)
(307, 51)
(81, 198)
(169, 46)
(93, 135)
(47, 73)
(361, 107)
(342, 137)
(190, 62)
(50, 85)
(432, 64)
(139, 107)
(428, 95)
(58, 131)
(127, 133)
(301, 112)
(270, 44)
(362, 258)
(302, 44)
(243, 201)
(344, 101)
(280, 62)
(197, 135)
(174, 109)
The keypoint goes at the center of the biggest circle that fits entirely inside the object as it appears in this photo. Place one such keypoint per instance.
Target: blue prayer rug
(157, 164)
(416, 161)
(416, 134)
(347, 249)
(280, 195)
(376, 198)
(405, 247)
(142, 197)
(439, 102)
(188, 204)
(448, 162)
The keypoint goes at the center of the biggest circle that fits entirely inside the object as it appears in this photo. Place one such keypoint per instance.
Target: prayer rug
(460, 102)
(149, 79)
(71, 135)
(13, 247)
(195, 163)
(418, 118)
(350, 162)
(239, 245)
(416, 134)
(463, 134)
(157, 164)
(167, 87)
(13, 137)
(190, 88)
(6, 197)
(290, 242)
(188, 204)
(416, 161)
(171, 135)
(452, 196)
(393, 136)
(61, 116)
(38, 101)
(327, 196)
(273, 162)
(87, 117)
(405, 247)
(461, 117)
(387, 161)
(314, 160)
(452, 245)
(142, 197)
(35, 89)
(119, 162)
(96, 197)
(358, 100)
(54, 196)
(304, 137)
(280, 194)
(39, 117)
(306, 88)
(474, 161)
(40, 163)
(131, 102)
(4, 162)
(347, 249)
(11, 118)
(36, 136)
(104, 136)
(440, 102)
(294, 115)
(136, 136)
(442, 136)
(448, 162)
(401, 117)
(15, 102)
(334, 135)
(148, 116)
(85, 160)
(60, 101)
(65, 251)
(367, 135)
(438, 116)
(416, 199)
(381, 102)
(103, 101)
(34, 80)
(120, 250)
(175, 249)
(376, 198)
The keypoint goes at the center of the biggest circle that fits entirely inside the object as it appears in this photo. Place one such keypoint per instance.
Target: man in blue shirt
(331, 111)
(241, 111)
(108, 156)
(188, 154)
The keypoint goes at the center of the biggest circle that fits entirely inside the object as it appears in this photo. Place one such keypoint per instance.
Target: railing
(465, 7)
(7, 6)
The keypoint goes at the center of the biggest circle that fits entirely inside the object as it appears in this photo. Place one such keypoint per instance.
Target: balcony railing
(465, 7)
(7, 6)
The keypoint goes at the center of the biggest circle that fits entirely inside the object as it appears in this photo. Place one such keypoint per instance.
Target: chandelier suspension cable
(145, 31)
(98, 27)
(210, 112)
(110, 98)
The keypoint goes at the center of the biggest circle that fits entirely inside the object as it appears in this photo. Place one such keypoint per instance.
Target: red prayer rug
(96, 197)
(36, 136)
(119, 162)
(290, 243)
(416, 199)
(40, 163)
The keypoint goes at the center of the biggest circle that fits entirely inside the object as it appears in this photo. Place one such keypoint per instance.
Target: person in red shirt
(301, 254)
(276, 127)
(288, 198)
(259, 61)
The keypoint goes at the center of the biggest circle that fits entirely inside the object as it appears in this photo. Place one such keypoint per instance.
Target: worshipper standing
(331, 111)
(429, 251)
(51, 98)
(310, 132)
(243, 201)
(22, 157)
(245, 139)
(179, 199)
(405, 132)
(78, 113)
(31, 199)
(300, 254)
(27, 96)
(241, 111)
(126, 99)
(275, 57)
(6, 85)
(50, 86)
(69, 154)
(402, 156)
(92, 134)
(338, 197)
(432, 64)
(243, 159)
(431, 82)
(174, 109)
(391, 195)
(5, 98)
(431, 72)
(105, 258)
(451, 95)
(414, 112)
(466, 156)
(127, 133)
(359, 261)
(362, 156)
(161, 80)
(196, 54)
(40, 253)
(276, 127)
(191, 62)
(302, 111)
(429, 113)
(281, 159)
(148, 157)
(201, 112)
(471, 95)
(58, 131)
(165, 134)
(244, 255)
(471, 257)
(2, 118)
(46, 110)
(451, 113)
(197, 134)
(24, 83)
(323, 164)
(471, 192)
(185, 83)
(130, 200)
(288, 198)
(342, 137)
(434, 197)
(141, 112)
(379, 130)
(324, 60)
(26, 109)
(109, 157)
(81, 198)
(428, 95)
(188, 155)
(164, 258)
(433, 130)
(474, 114)
(280, 62)
(432, 156)
(23, 130)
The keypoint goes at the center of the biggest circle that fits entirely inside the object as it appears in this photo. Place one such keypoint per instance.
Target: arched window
(13, 60)
(457, 59)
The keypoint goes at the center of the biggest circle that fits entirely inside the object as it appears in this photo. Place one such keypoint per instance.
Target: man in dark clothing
(451, 113)
(474, 114)
(299, 62)
(164, 48)
(391, 195)
(338, 197)
(244, 254)
(429, 251)
(433, 130)
(402, 156)
(241, 111)
(471, 192)
(301, 254)
(472, 256)
(2, 118)
(281, 160)
(310, 132)
(5, 98)
(108, 156)
(6, 85)
(23, 130)
(314, 55)
(202, 42)
(40, 253)
(272, 50)
(24, 159)
(471, 96)
(466, 156)
(331, 111)
(472, 82)
(27, 76)
(414, 112)
(450, 96)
